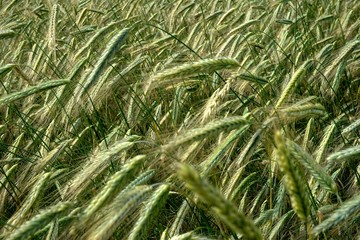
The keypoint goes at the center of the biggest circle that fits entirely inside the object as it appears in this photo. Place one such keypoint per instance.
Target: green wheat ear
(219, 206)
(293, 180)
(112, 187)
(32, 90)
(145, 83)
(40, 221)
(206, 65)
(312, 166)
(345, 211)
(7, 68)
(348, 153)
(99, 68)
(209, 129)
(150, 212)
(292, 82)
(175, 75)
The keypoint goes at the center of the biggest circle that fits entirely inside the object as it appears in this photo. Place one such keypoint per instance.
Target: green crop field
(180, 119)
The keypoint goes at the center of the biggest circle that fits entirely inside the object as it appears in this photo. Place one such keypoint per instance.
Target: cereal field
(180, 119)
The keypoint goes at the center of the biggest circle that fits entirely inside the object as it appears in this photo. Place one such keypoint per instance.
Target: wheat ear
(51, 156)
(343, 212)
(241, 160)
(304, 111)
(221, 207)
(52, 28)
(323, 178)
(32, 90)
(219, 152)
(345, 154)
(121, 207)
(6, 33)
(293, 181)
(112, 187)
(351, 127)
(149, 213)
(174, 75)
(280, 223)
(99, 33)
(291, 84)
(179, 219)
(307, 136)
(107, 54)
(345, 51)
(190, 236)
(39, 221)
(7, 68)
(209, 129)
(95, 166)
(31, 200)
(140, 180)
(324, 142)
